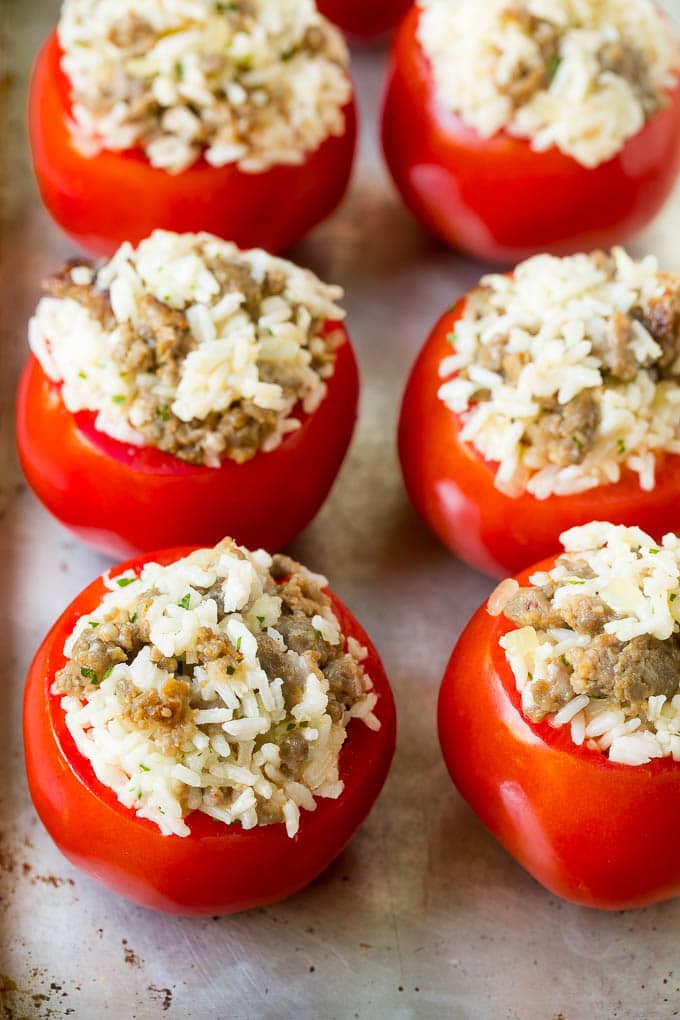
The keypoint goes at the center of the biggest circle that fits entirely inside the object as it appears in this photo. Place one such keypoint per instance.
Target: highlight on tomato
(558, 717)
(509, 134)
(239, 120)
(182, 388)
(543, 400)
(364, 18)
(205, 730)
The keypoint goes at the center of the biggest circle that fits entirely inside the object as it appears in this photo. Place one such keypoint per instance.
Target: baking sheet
(424, 915)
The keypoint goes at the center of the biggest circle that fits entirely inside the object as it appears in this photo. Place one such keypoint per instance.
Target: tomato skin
(452, 487)
(217, 869)
(594, 832)
(496, 198)
(118, 196)
(364, 18)
(125, 500)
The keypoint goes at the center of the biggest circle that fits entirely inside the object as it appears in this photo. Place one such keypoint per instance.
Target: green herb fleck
(451, 339)
(185, 600)
(93, 623)
(564, 660)
(260, 620)
(291, 726)
(139, 795)
(133, 618)
(621, 445)
(318, 634)
(552, 65)
(230, 670)
(118, 399)
(89, 674)
(287, 56)
(144, 768)
(653, 552)
(674, 596)
(123, 582)
(578, 443)
(530, 675)
(107, 673)
(572, 580)
(82, 375)
(238, 644)
(163, 412)
(178, 69)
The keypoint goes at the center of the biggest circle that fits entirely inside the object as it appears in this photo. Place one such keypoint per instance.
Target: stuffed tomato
(205, 730)
(543, 400)
(510, 129)
(144, 115)
(364, 18)
(559, 716)
(182, 388)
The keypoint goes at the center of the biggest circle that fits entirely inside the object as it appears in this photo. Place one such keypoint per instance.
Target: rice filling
(221, 683)
(581, 75)
(255, 83)
(596, 643)
(567, 372)
(190, 345)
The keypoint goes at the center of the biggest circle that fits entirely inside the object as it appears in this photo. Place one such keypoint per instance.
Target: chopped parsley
(107, 673)
(578, 443)
(133, 618)
(653, 552)
(621, 445)
(318, 634)
(93, 623)
(185, 601)
(552, 64)
(123, 582)
(118, 399)
(163, 412)
(260, 620)
(82, 375)
(230, 670)
(564, 660)
(451, 337)
(572, 580)
(673, 596)
(144, 768)
(178, 69)
(89, 674)
(238, 643)
(291, 726)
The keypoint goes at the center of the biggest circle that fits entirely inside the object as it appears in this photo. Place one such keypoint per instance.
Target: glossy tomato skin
(452, 487)
(364, 18)
(497, 199)
(217, 869)
(118, 196)
(124, 500)
(594, 832)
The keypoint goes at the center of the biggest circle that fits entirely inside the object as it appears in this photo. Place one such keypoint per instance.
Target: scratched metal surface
(424, 915)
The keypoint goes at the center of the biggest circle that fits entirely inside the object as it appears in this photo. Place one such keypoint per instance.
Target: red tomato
(595, 832)
(364, 18)
(125, 499)
(452, 486)
(118, 196)
(499, 200)
(217, 869)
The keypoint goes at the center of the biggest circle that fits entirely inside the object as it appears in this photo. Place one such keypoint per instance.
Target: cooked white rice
(231, 351)
(556, 313)
(237, 82)
(639, 581)
(228, 763)
(478, 50)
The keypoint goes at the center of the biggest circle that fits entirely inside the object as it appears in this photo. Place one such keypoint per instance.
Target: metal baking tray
(424, 915)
